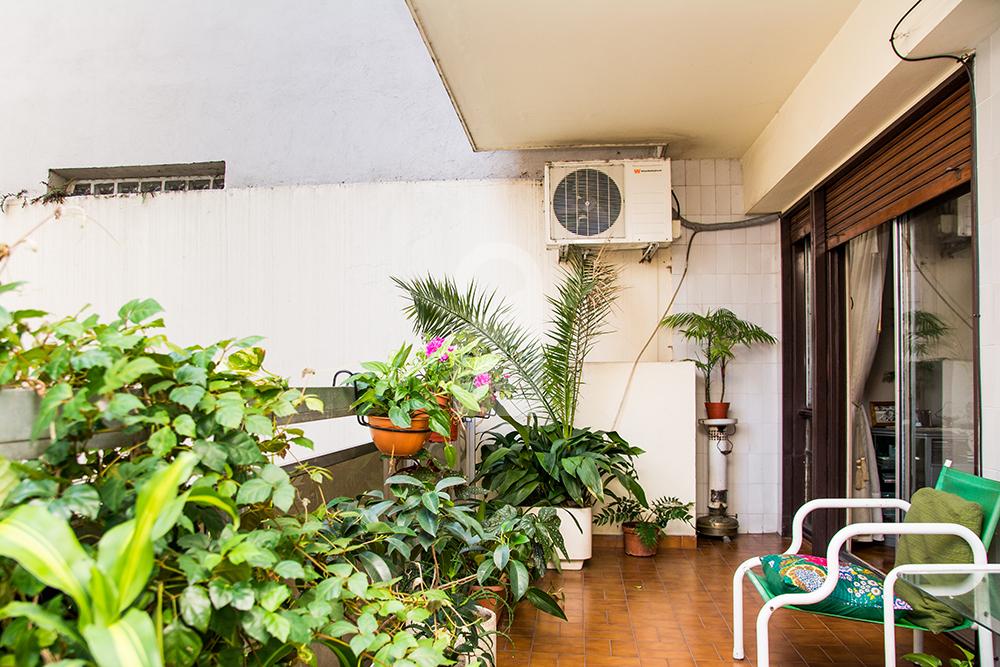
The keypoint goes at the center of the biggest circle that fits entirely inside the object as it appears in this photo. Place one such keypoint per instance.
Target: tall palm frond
(547, 375)
(580, 309)
(438, 307)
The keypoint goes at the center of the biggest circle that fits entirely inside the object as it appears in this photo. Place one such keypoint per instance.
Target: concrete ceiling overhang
(704, 77)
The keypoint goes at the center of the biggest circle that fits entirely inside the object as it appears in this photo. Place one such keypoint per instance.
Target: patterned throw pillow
(858, 593)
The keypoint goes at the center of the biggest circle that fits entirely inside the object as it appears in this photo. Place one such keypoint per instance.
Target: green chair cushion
(933, 506)
(858, 593)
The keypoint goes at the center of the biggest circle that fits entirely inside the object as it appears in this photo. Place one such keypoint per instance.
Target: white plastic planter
(578, 535)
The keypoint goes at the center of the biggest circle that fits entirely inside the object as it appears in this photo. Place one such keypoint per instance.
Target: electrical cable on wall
(696, 228)
(965, 61)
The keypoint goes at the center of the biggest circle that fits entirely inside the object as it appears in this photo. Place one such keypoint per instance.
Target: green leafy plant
(539, 465)
(396, 389)
(718, 332)
(546, 374)
(422, 534)
(176, 547)
(104, 587)
(532, 537)
(649, 520)
(460, 370)
(926, 660)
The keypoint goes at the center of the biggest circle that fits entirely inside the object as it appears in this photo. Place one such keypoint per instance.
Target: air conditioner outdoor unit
(619, 203)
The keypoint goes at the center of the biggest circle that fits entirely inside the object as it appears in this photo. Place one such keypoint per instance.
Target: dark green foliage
(648, 519)
(422, 533)
(537, 465)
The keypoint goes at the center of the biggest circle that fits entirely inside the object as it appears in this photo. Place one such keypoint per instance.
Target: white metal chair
(985, 492)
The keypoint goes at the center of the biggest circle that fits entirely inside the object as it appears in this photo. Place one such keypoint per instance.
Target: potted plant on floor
(547, 377)
(517, 539)
(424, 533)
(398, 403)
(535, 465)
(718, 332)
(643, 524)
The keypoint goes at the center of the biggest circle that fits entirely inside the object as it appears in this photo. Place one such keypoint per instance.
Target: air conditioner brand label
(638, 170)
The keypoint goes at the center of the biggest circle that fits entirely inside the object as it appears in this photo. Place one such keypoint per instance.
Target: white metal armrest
(975, 571)
(833, 569)
(838, 503)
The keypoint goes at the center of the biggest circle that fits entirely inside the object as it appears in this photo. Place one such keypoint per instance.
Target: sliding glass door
(911, 369)
(935, 342)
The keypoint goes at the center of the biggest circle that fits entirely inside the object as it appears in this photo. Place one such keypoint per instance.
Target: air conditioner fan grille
(587, 202)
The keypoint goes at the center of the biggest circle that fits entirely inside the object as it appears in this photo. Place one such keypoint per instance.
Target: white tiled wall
(740, 270)
(987, 66)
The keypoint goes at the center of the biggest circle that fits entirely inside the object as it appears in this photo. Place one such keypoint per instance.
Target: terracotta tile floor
(675, 609)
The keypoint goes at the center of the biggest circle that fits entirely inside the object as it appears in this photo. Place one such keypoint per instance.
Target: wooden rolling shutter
(800, 222)
(915, 161)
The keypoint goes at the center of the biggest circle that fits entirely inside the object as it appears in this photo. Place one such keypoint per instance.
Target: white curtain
(866, 260)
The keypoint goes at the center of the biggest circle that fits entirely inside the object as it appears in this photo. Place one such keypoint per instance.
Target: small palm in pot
(718, 332)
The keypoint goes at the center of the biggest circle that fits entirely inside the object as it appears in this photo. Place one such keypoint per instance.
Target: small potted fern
(642, 524)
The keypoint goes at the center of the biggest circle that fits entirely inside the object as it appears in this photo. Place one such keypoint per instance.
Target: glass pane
(935, 340)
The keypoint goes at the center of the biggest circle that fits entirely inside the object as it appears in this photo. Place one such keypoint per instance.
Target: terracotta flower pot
(634, 546)
(717, 410)
(399, 442)
(493, 598)
(445, 402)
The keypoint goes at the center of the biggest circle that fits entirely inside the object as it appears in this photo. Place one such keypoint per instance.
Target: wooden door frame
(829, 414)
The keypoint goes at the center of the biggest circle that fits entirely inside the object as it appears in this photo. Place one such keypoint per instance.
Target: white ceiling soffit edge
(703, 77)
(855, 90)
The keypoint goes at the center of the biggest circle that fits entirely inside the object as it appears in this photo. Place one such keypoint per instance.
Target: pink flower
(506, 376)
(434, 345)
(481, 380)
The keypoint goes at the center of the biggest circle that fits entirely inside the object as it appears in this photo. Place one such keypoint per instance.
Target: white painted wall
(318, 92)
(309, 267)
(658, 415)
(987, 66)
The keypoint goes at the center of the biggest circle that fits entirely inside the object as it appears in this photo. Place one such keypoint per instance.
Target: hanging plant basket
(397, 441)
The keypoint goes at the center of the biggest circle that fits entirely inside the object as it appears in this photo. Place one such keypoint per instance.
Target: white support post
(741, 571)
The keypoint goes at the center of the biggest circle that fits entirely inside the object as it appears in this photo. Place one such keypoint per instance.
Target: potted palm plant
(546, 374)
(642, 523)
(718, 332)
